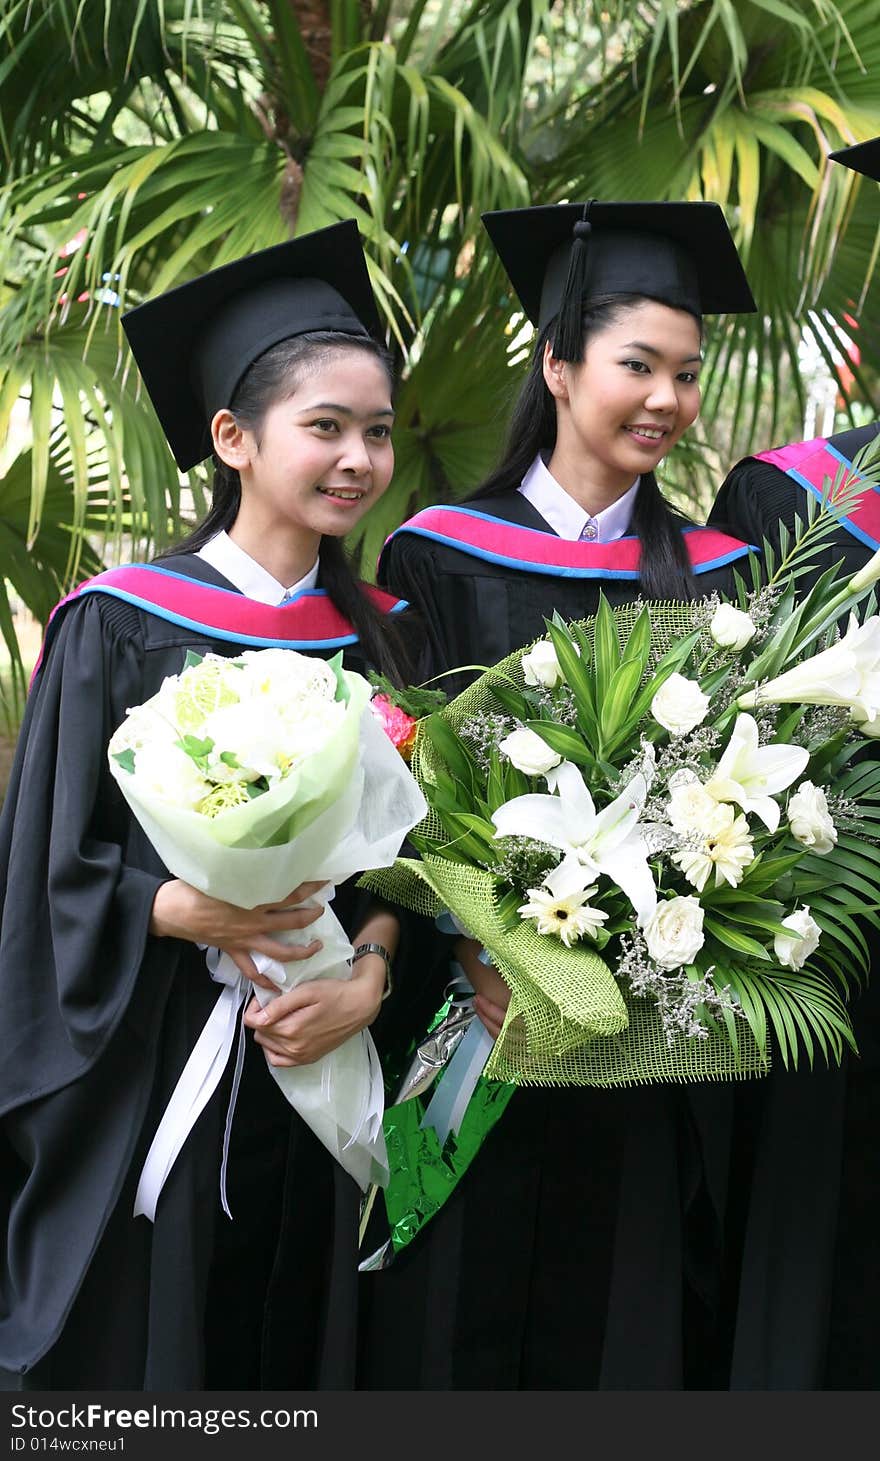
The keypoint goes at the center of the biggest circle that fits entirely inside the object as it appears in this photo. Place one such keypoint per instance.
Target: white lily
(867, 574)
(846, 674)
(750, 774)
(608, 842)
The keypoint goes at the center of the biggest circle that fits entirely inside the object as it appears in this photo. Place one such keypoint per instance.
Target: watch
(383, 954)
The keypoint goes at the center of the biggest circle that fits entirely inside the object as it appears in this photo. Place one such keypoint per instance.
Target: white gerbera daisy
(728, 852)
(561, 905)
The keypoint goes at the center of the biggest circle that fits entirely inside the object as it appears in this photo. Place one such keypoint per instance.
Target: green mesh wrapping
(568, 1022)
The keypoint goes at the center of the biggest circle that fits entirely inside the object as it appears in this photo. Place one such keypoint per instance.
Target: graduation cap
(194, 343)
(864, 157)
(558, 256)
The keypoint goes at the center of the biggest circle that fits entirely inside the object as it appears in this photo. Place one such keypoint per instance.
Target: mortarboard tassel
(568, 339)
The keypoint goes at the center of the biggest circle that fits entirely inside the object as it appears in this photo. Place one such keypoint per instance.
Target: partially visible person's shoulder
(850, 442)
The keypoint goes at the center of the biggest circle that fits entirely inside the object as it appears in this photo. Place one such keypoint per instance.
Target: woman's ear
(232, 444)
(555, 374)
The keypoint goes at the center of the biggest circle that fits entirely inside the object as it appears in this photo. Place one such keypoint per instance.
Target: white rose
(541, 666)
(731, 628)
(679, 705)
(693, 809)
(810, 820)
(528, 752)
(167, 772)
(283, 675)
(267, 742)
(793, 953)
(674, 932)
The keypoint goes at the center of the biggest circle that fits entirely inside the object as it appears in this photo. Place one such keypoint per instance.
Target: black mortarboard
(194, 343)
(863, 157)
(560, 255)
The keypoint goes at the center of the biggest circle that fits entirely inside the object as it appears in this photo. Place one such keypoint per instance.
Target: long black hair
(665, 569)
(273, 377)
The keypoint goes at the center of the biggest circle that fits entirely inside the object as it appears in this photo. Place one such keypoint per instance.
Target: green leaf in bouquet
(516, 783)
(752, 1008)
(765, 914)
(712, 681)
(837, 927)
(505, 781)
(196, 747)
(343, 693)
(638, 644)
(577, 674)
(768, 869)
(819, 612)
(788, 724)
(606, 648)
(191, 659)
(518, 703)
(825, 761)
(230, 759)
(741, 589)
(776, 653)
(472, 835)
(732, 938)
(415, 700)
(616, 718)
(782, 1019)
(451, 749)
(729, 1018)
(508, 910)
(860, 780)
(563, 739)
(125, 759)
(807, 995)
(846, 865)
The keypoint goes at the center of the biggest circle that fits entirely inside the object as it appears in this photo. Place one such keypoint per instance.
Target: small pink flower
(399, 727)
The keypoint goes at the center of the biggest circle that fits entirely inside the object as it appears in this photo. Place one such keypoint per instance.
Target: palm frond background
(145, 142)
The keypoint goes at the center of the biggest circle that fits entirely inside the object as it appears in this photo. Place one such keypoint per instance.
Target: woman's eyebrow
(652, 350)
(346, 410)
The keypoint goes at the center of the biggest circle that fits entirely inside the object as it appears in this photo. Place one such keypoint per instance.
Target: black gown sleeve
(77, 882)
(409, 569)
(756, 497)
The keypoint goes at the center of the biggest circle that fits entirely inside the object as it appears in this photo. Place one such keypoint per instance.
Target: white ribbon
(198, 1082)
(341, 1096)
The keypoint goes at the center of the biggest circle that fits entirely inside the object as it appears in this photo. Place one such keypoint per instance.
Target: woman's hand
(492, 995)
(181, 911)
(305, 1023)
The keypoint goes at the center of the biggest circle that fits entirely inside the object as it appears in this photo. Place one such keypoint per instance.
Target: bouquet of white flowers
(659, 825)
(250, 776)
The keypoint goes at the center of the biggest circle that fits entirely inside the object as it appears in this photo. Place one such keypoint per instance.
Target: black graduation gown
(99, 1019)
(582, 1248)
(830, 1200)
(756, 496)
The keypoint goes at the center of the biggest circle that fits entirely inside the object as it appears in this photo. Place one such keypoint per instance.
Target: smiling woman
(274, 365)
(580, 1248)
(317, 458)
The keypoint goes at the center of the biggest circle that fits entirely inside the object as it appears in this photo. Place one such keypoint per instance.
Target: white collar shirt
(567, 518)
(248, 576)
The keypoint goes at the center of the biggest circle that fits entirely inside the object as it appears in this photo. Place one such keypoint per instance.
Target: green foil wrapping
(423, 1174)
